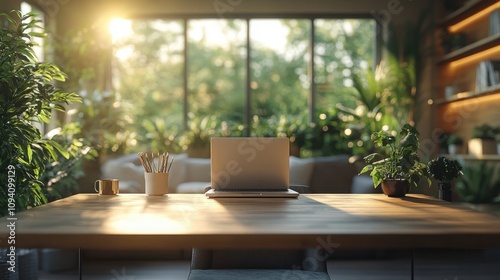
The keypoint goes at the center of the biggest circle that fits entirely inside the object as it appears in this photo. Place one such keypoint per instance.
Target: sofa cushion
(300, 171)
(363, 184)
(128, 171)
(177, 173)
(332, 174)
(197, 170)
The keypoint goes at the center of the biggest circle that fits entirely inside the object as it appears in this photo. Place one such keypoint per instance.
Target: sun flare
(119, 28)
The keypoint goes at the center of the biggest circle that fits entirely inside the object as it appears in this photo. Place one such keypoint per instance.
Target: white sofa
(332, 174)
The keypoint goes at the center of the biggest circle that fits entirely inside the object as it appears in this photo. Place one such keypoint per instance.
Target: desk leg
(412, 268)
(80, 263)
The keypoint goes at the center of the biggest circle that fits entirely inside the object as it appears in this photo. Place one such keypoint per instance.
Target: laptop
(250, 167)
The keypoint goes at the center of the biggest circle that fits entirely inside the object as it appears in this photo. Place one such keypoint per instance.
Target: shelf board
(465, 12)
(478, 46)
(467, 157)
(489, 91)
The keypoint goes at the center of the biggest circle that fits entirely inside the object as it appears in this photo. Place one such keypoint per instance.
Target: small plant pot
(445, 191)
(395, 188)
(454, 149)
(479, 147)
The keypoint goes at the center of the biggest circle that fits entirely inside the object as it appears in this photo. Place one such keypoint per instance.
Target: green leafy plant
(296, 127)
(328, 137)
(496, 132)
(444, 170)
(484, 131)
(158, 135)
(454, 139)
(60, 176)
(103, 120)
(28, 97)
(196, 140)
(479, 184)
(382, 98)
(402, 161)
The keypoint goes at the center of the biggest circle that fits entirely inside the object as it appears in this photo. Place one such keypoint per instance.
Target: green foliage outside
(103, 117)
(149, 69)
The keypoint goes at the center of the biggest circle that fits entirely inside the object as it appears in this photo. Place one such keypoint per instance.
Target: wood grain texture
(131, 221)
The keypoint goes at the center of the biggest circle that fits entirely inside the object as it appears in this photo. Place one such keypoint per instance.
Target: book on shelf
(493, 69)
(481, 77)
(495, 22)
(487, 75)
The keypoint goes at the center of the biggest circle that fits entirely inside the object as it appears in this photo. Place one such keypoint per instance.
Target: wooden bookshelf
(469, 107)
(490, 91)
(465, 12)
(476, 47)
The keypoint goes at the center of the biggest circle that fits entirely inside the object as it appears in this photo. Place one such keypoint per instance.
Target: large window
(251, 73)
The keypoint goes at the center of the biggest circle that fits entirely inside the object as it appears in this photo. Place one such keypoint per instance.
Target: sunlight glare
(119, 28)
(269, 33)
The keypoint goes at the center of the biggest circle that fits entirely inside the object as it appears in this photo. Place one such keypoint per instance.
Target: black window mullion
(186, 79)
(248, 91)
(312, 68)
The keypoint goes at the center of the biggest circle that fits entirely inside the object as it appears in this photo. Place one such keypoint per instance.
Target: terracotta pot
(395, 188)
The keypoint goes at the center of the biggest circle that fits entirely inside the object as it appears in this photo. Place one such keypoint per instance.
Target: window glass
(148, 73)
(217, 70)
(342, 46)
(279, 71)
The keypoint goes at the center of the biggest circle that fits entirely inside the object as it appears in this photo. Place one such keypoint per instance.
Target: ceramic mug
(106, 186)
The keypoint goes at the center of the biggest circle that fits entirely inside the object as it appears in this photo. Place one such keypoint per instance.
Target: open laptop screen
(249, 163)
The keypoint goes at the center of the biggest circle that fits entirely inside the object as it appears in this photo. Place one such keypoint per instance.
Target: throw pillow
(300, 171)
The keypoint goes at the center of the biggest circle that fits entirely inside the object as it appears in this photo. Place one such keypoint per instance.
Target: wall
(73, 13)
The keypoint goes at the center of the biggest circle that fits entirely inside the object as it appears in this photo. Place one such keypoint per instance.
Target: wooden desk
(90, 221)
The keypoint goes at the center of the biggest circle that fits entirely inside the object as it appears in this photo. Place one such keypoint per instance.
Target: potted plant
(455, 143)
(28, 96)
(444, 171)
(401, 168)
(482, 141)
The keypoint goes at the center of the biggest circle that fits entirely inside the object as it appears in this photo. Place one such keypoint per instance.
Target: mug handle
(95, 186)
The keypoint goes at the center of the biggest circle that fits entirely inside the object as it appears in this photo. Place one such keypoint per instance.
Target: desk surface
(185, 221)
